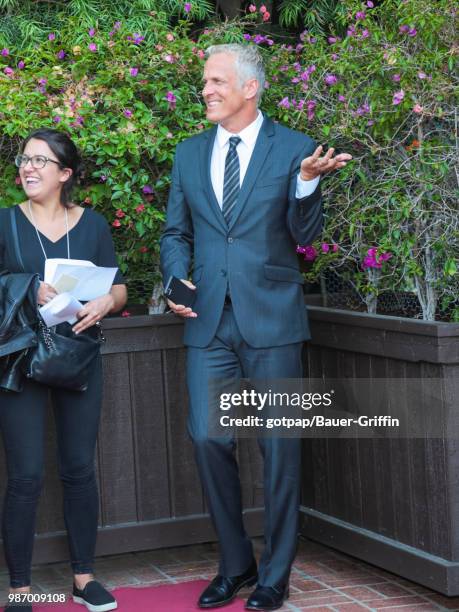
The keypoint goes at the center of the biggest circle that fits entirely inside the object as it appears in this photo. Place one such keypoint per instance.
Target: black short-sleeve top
(89, 239)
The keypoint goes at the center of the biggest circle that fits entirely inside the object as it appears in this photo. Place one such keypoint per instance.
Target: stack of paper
(74, 280)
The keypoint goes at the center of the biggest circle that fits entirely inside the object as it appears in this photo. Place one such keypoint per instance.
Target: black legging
(22, 423)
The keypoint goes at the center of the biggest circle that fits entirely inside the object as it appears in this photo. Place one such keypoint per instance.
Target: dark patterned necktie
(231, 181)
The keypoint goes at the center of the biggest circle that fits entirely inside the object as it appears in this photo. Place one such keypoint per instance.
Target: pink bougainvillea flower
(61, 54)
(134, 72)
(404, 29)
(91, 32)
(335, 248)
(169, 58)
(136, 38)
(373, 260)
(370, 4)
(127, 113)
(170, 97)
(120, 213)
(117, 25)
(102, 178)
(5, 52)
(8, 71)
(140, 208)
(143, 249)
(417, 108)
(398, 97)
(396, 78)
(116, 223)
(57, 119)
(169, 36)
(252, 8)
(325, 247)
(310, 253)
(266, 16)
(365, 33)
(51, 36)
(341, 98)
(187, 7)
(412, 32)
(351, 30)
(284, 103)
(331, 79)
(92, 47)
(331, 39)
(21, 65)
(422, 75)
(263, 9)
(147, 189)
(311, 106)
(360, 15)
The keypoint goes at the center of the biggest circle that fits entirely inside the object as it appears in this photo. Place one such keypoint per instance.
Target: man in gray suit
(243, 195)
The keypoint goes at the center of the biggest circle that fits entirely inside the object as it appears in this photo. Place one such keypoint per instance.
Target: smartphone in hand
(176, 291)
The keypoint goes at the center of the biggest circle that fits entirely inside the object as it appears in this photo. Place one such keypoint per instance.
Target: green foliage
(318, 17)
(384, 95)
(29, 20)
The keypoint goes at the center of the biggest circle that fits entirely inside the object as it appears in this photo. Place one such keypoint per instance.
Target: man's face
(227, 102)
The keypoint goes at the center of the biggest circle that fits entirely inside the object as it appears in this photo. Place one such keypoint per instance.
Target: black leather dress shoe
(267, 598)
(223, 590)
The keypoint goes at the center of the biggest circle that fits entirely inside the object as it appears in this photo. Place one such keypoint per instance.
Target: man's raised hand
(314, 165)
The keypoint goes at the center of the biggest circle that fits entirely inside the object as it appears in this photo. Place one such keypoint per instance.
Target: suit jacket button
(230, 240)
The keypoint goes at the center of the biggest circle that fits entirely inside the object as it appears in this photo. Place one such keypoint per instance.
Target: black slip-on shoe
(95, 597)
(267, 598)
(222, 590)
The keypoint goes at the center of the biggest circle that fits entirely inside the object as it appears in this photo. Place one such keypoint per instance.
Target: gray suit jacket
(255, 254)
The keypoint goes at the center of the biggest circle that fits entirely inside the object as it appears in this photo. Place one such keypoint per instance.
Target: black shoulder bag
(61, 358)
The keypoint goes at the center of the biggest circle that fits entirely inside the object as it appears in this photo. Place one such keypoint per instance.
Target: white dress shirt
(245, 148)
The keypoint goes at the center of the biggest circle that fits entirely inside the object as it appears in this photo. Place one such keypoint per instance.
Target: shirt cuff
(305, 188)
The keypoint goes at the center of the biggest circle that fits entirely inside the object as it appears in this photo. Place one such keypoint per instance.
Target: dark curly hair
(66, 153)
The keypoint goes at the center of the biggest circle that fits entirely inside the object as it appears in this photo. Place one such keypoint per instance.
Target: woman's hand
(45, 293)
(94, 311)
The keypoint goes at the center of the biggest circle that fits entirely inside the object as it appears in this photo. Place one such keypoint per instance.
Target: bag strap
(14, 233)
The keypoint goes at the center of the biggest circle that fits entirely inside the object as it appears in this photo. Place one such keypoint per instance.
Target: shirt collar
(248, 135)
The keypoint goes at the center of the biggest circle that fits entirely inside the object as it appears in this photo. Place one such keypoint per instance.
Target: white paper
(92, 281)
(63, 307)
(51, 265)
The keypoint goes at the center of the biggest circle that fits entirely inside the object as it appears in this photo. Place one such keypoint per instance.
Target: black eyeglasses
(37, 161)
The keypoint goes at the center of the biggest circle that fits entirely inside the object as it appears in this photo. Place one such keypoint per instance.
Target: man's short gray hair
(249, 63)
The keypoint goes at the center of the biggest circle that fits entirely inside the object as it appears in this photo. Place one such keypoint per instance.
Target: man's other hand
(180, 309)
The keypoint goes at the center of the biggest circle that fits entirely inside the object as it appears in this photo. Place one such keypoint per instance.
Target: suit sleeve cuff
(305, 188)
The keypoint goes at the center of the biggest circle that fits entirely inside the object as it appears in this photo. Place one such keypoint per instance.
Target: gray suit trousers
(229, 356)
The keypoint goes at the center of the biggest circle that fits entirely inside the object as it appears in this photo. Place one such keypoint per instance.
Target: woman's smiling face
(44, 183)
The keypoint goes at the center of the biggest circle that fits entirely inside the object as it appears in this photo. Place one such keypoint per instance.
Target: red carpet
(179, 597)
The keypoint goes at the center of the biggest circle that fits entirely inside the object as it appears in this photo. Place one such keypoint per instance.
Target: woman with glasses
(50, 225)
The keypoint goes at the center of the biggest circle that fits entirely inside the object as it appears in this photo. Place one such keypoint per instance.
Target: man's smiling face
(227, 101)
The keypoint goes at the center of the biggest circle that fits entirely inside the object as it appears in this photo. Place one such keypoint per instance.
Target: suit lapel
(207, 146)
(262, 147)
